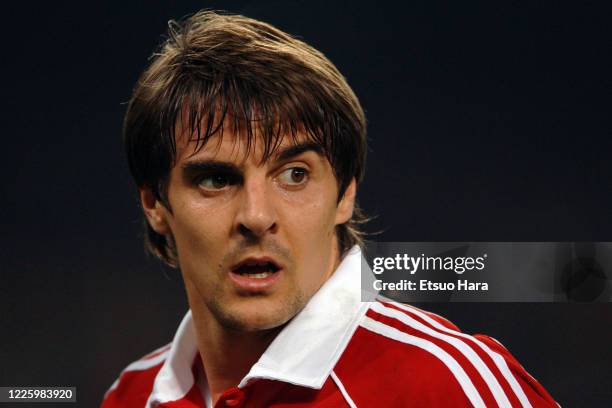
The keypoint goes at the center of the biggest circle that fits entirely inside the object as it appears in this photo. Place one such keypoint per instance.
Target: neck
(228, 355)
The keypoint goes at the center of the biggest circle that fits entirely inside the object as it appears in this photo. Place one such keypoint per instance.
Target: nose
(256, 215)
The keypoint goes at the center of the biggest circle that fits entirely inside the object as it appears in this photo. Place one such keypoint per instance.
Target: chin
(251, 322)
(253, 317)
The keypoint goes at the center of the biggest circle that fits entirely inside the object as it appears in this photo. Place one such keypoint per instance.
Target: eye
(215, 181)
(294, 176)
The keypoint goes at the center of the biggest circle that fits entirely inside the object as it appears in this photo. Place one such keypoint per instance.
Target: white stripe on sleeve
(498, 359)
(460, 375)
(466, 350)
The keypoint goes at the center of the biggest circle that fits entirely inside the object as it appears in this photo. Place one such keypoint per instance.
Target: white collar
(304, 352)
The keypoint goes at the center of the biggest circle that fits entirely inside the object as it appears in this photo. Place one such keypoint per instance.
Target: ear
(155, 212)
(347, 203)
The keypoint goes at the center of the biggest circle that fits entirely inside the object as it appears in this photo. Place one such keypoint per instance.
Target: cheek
(310, 232)
(199, 229)
(310, 216)
(312, 210)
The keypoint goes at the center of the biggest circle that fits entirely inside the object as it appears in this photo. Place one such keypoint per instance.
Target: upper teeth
(260, 275)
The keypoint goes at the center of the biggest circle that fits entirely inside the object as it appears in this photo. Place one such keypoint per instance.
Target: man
(247, 146)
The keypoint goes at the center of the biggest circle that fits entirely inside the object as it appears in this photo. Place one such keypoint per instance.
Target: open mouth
(256, 269)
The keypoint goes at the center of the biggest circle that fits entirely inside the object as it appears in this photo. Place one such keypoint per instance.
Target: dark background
(488, 121)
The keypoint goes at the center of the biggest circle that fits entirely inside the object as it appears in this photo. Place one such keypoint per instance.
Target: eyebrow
(298, 149)
(214, 166)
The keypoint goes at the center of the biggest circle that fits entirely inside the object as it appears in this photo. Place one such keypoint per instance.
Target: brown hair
(216, 69)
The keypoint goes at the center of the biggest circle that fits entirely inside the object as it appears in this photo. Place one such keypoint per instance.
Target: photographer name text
(432, 286)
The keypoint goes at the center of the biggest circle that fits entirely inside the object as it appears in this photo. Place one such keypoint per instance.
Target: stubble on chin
(257, 318)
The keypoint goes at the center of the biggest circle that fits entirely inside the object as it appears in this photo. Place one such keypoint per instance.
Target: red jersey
(342, 352)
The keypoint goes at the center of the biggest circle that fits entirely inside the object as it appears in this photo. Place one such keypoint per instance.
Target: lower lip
(249, 284)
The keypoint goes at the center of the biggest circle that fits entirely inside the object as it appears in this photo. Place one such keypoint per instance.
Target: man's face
(255, 240)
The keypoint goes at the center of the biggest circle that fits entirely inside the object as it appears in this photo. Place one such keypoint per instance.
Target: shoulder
(135, 383)
(407, 351)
